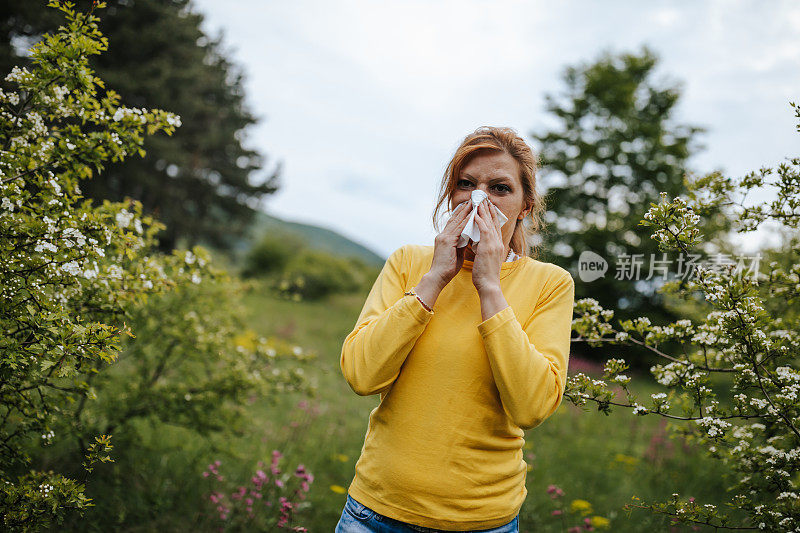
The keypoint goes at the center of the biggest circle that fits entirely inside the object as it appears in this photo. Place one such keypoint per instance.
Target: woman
(468, 347)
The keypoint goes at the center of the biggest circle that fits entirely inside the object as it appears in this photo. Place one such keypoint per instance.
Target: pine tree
(200, 182)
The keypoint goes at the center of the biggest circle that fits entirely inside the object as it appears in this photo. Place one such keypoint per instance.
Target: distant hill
(317, 238)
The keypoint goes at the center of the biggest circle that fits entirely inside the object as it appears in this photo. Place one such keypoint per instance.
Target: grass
(590, 456)
(603, 460)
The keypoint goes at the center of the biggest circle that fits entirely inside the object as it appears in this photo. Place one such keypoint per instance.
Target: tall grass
(597, 462)
(604, 460)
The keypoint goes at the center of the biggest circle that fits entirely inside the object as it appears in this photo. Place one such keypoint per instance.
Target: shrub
(313, 274)
(74, 276)
(749, 332)
(68, 270)
(271, 254)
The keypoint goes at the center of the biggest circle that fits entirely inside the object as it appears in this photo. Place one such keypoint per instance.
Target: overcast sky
(365, 102)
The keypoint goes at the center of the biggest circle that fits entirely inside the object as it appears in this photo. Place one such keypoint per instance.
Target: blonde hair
(506, 140)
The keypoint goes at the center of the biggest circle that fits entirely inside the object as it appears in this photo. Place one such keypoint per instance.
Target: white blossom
(714, 426)
(758, 402)
(18, 74)
(90, 273)
(75, 236)
(72, 268)
(174, 120)
(124, 218)
(622, 378)
(114, 271)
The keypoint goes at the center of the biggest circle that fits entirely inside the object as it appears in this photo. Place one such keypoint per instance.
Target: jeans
(358, 518)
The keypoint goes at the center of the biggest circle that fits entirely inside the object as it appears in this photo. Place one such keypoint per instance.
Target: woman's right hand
(447, 259)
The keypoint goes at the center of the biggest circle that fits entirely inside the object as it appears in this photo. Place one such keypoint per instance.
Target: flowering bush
(267, 502)
(68, 269)
(750, 335)
(72, 275)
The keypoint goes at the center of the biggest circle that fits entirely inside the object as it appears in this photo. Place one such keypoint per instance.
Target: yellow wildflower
(580, 506)
(627, 459)
(247, 340)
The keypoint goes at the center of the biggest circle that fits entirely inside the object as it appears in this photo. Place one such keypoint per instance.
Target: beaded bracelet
(412, 293)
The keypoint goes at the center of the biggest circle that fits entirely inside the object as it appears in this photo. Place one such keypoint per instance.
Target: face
(497, 174)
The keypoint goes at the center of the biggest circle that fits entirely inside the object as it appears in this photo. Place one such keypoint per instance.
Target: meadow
(593, 464)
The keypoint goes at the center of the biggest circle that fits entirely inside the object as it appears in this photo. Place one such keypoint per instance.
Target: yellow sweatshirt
(443, 449)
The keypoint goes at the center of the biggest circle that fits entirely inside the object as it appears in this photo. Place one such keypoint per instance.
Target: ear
(525, 212)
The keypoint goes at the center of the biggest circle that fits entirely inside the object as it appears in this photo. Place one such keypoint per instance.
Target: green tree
(614, 147)
(202, 181)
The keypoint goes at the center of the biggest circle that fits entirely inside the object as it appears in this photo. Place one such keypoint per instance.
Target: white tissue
(471, 230)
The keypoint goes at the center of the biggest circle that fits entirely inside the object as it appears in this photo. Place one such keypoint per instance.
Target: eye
(499, 186)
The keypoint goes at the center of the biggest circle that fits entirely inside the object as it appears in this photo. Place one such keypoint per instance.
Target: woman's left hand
(488, 251)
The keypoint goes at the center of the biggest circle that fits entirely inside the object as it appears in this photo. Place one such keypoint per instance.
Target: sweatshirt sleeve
(529, 364)
(385, 332)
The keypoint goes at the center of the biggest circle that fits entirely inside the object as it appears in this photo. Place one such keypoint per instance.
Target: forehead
(492, 165)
